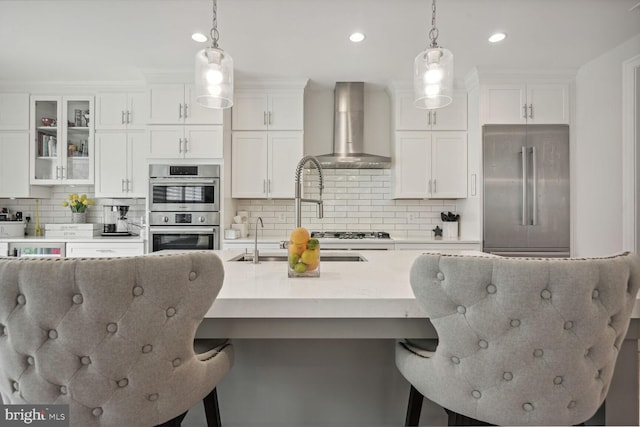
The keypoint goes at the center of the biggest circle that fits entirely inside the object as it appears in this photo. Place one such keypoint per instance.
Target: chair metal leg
(414, 407)
(212, 410)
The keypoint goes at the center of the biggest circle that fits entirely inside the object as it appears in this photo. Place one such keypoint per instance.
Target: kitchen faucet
(256, 255)
(298, 194)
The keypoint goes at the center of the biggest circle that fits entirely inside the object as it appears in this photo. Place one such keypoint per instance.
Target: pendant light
(214, 72)
(433, 72)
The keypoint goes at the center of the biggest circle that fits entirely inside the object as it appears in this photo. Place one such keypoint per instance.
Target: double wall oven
(184, 207)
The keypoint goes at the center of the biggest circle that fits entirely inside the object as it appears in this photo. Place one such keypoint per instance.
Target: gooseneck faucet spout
(298, 193)
(256, 255)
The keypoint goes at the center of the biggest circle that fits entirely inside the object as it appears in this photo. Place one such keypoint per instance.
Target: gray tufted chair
(112, 338)
(520, 341)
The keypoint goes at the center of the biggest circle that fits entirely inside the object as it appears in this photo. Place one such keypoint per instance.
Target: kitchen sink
(323, 258)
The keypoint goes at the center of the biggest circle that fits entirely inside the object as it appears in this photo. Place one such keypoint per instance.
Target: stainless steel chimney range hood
(348, 131)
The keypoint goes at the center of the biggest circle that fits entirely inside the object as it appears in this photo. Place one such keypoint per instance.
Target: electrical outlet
(282, 216)
(411, 216)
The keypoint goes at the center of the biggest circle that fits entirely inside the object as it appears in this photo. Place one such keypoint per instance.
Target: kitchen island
(304, 345)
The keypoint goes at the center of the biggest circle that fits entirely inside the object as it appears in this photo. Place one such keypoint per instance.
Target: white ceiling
(122, 40)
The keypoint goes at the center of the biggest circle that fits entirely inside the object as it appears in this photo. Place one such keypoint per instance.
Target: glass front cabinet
(62, 140)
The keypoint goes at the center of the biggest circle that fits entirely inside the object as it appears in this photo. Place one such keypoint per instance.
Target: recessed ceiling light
(199, 37)
(497, 37)
(357, 37)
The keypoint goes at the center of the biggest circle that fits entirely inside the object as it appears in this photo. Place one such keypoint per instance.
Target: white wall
(598, 153)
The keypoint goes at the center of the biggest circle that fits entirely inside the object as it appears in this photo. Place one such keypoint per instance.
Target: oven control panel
(184, 218)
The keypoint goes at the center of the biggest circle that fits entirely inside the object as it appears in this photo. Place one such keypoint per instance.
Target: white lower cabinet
(120, 164)
(104, 249)
(185, 142)
(430, 165)
(263, 164)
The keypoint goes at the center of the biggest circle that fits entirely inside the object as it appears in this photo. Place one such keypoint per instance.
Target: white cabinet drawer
(104, 249)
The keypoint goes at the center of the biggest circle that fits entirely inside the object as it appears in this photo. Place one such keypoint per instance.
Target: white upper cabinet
(188, 142)
(539, 103)
(14, 175)
(121, 110)
(451, 117)
(268, 110)
(14, 111)
(175, 103)
(430, 165)
(120, 164)
(62, 140)
(263, 163)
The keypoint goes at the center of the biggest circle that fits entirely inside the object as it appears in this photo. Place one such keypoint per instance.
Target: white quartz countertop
(377, 288)
(33, 239)
(416, 240)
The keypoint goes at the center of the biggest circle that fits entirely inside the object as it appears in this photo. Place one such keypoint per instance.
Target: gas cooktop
(350, 234)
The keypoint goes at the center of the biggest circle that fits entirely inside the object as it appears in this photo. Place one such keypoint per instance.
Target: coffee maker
(115, 220)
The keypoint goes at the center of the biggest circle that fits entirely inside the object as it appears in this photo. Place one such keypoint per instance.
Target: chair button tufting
(527, 407)
(21, 299)
(568, 325)
(515, 323)
(112, 327)
(595, 294)
(77, 299)
(455, 360)
(538, 352)
(123, 382)
(153, 397)
(461, 309)
(137, 291)
(483, 344)
(598, 374)
(507, 376)
(492, 288)
(147, 348)
(557, 380)
(16, 386)
(63, 389)
(476, 394)
(545, 294)
(192, 276)
(30, 360)
(3, 330)
(176, 362)
(171, 312)
(96, 412)
(440, 275)
(571, 404)
(85, 360)
(53, 334)
(587, 352)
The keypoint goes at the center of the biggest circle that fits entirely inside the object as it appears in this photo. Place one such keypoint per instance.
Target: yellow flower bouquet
(77, 203)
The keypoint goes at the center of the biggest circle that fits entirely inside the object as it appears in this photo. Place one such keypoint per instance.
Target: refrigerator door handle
(534, 204)
(524, 185)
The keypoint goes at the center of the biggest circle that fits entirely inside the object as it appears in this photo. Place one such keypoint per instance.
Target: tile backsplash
(354, 199)
(52, 211)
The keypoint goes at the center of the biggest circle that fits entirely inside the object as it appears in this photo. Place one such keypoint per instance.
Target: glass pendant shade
(433, 78)
(214, 78)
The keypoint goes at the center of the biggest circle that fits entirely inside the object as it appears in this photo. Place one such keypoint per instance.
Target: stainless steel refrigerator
(526, 190)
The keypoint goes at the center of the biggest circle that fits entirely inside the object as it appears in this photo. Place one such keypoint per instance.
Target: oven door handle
(182, 181)
(183, 230)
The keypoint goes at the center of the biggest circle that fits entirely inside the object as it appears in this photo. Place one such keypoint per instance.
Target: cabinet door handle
(122, 186)
(270, 119)
(186, 110)
(264, 118)
(180, 111)
(186, 146)
(268, 186)
(129, 185)
(264, 186)
(128, 116)
(179, 145)
(531, 111)
(122, 119)
(524, 108)
(435, 186)
(62, 168)
(429, 118)
(429, 185)
(435, 117)
(57, 172)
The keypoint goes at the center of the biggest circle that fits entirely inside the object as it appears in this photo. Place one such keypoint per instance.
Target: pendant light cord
(214, 26)
(433, 33)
